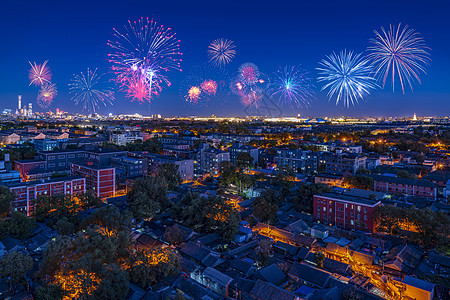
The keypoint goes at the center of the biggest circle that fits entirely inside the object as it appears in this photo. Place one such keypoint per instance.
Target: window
(318, 215)
(346, 205)
(352, 222)
(81, 155)
(51, 157)
(71, 156)
(318, 208)
(365, 217)
(51, 165)
(365, 209)
(324, 208)
(331, 210)
(351, 215)
(359, 208)
(358, 216)
(61, 157)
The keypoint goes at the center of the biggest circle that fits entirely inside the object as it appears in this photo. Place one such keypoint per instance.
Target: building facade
(404, 186)
(345, 211)
(100, 179)
(27, 192)
(342, 163)
(298, 160)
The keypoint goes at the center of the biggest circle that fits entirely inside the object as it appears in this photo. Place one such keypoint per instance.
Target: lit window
(352, 222)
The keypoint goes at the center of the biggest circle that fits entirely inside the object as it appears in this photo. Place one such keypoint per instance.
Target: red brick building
(100, 179)
(404, 186)
(345, 211)
(27, 192)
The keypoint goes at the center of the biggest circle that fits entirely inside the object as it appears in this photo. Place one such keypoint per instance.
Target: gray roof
(418, 283)
(266, 291)
(309, 274)
(217, 276)
(273, 274)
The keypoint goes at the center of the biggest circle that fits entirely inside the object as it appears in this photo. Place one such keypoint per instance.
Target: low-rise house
(309, 275)
(265, 291)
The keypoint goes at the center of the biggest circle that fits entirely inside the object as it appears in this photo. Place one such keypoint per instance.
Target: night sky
(73, 36)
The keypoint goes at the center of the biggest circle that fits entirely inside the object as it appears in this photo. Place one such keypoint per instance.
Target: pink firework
(39, 73)
(209, 87)
(136, 89)
(46, 95)
(193, 94)
(249, 73)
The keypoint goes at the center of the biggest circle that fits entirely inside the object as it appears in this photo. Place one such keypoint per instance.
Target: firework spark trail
(399, 52)
(46, 95)
(347, 77)
(90, 91)
(221, 52)
(144, 51)
(292, 85)
(39, 73)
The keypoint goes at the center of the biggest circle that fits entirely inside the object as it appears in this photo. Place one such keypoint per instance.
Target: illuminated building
(345, 211)
(100, 179)
(27, 192)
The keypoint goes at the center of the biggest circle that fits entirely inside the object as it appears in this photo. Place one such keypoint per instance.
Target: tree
(6, 198)
(110, 219)
(15, 265)
(19, 225)
(148, 266)
(174, 235)
(263, 252)
(169, 171)
(114, 284)
(405, 174)
(359, 182)
(147, 196)
(65, 227)
(244, 160)
(49, 292)
(319, 257)
(264, 210)
(212, 214)
(227, 172)
(303, 196)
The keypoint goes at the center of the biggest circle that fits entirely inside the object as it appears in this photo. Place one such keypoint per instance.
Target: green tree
(15, 265)
(6, 198)
(319, 257)
(174, 235)
(65, 227)
(169, 171)
(19, 225)
(359, 182)
(264, 210)
(49, 292)
(303, 196)
(244, 160)
(147, 196)
(227, 172)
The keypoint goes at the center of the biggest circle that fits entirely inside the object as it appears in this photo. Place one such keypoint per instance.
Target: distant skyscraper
(30, 109)
(414, 117)
(20, 102)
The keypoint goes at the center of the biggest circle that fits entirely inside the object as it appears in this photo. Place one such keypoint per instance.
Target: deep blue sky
(72, 35)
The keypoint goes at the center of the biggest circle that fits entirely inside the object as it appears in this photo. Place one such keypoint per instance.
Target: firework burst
(399, 53)
(89, 90)
(193, 95)
(209, 87)
(249, 73)
(144, 52)
(39, 73)
(250, 85)
(347, 77)
(46, 95)
(221, 52)
(292, 85)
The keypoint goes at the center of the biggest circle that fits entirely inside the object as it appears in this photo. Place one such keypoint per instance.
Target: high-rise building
(20, 102)
(30, 109)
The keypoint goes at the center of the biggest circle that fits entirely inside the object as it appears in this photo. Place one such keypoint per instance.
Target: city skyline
(298, 34)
